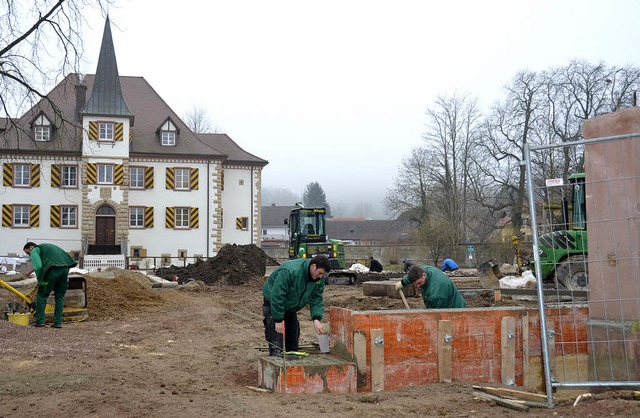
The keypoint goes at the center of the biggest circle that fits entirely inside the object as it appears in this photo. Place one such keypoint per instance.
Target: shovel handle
(404, 300)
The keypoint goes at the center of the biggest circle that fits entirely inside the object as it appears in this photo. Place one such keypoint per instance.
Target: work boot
(57, 325)
(37, 325)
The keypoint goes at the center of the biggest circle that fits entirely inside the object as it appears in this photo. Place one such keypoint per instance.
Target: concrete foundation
(395, 349)
(318, 373)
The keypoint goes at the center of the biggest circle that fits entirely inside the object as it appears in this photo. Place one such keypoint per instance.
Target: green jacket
(45, 256)
(438, 292)
(290, 288)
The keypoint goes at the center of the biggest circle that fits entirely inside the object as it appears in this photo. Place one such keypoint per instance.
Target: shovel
(404, 300)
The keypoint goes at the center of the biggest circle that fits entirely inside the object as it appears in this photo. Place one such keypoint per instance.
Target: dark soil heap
(234, 265)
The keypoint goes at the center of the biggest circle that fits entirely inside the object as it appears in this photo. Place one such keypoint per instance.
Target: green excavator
(308, 237)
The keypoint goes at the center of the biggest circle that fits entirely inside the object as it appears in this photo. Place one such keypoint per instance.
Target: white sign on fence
(554, 182)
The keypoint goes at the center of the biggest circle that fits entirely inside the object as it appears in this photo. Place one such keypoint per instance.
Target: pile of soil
(119, 297)
(234, 265)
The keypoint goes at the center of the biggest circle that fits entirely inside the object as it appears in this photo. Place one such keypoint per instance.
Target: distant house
(353, 231)
(274, 231)
(358, 231)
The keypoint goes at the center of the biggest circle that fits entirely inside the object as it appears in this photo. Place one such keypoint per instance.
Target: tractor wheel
(572, 273)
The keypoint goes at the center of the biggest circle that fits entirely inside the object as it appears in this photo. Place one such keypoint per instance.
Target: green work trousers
(58, 282)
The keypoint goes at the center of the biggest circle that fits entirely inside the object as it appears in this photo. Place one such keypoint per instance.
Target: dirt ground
(193, 351)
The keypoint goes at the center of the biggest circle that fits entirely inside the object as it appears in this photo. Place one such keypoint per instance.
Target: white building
(118, 172)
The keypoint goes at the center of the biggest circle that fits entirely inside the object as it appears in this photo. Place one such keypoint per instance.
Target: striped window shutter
(193, 181)
(7, 214)
(7, 175)
(239, 223)
(56, 175)
(34, 215)
(92, 173)
(118, 174)
(194, 221)
(55, 216)
(171, 178)
(35, 175)
(148, 217)
(130, 135)
(170, 217)
(93, 130)
(148, 177)
(222, 180)
(118, 131)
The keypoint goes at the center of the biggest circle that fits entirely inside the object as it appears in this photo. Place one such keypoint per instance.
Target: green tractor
(308, 237)
(563, 253)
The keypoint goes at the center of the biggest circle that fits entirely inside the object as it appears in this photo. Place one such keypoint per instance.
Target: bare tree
(409, 194)
(580, 91)
(451, 125)
(41, 42)
(199, 121)
(514, 122)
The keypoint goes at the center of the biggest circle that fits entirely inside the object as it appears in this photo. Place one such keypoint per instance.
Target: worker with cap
(374, 265)
(51, 265)
(438, 291)
(292, 286)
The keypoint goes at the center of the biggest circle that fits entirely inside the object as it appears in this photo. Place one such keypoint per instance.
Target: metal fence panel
(601, 255)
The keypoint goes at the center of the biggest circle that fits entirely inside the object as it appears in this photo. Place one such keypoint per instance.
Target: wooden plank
(360, 351)
(255, 389)
(551, 341)
(445, 338)
(513, 393)
(525, 350)
(497, 295)
(581, 294)
(508, 350)
(504, 402)
(377, 360)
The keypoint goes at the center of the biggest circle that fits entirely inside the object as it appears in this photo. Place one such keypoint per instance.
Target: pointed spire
(106, 96)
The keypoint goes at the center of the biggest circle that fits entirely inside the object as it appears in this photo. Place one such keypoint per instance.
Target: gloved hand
(399, 285)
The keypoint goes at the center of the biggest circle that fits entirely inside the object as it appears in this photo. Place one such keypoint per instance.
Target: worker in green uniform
(51, 264)
(292, 286)
(438, 291)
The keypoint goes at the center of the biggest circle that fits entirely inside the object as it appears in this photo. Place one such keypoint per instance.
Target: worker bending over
(438, 291)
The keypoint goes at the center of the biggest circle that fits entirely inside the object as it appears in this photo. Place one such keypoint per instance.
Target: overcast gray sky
(336, 91)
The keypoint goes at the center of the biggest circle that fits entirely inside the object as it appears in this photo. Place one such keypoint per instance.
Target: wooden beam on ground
(513, 393)
(503, 402)
(261, 390)
(508, 350)
(445, 337)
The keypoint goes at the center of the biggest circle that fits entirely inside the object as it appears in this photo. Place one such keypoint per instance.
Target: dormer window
(168, 133)
(168, 138)
(42, 129)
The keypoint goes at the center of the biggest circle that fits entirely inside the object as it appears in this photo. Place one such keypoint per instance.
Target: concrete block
(318, 373)
(386, 288)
